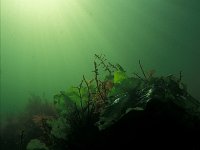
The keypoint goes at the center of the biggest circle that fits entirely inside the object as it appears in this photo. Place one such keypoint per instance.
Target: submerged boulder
(156, 110)
(165, 96)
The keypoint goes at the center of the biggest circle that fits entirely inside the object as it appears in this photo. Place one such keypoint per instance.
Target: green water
(47, 45)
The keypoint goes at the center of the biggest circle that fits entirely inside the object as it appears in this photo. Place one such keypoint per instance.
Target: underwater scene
(99, 74)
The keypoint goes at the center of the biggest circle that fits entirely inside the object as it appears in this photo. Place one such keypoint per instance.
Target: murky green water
(47, 45)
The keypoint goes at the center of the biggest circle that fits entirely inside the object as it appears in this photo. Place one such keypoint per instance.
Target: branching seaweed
(107, 66)
(21, 140)
(99, 103)
(180, 76)
(79, 93)
(89, 99)
(142, 70)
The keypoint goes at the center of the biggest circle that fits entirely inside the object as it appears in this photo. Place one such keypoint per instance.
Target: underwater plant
(97, 104)
(19, 129)
(102, 110)
(79, 108)
(36, 144)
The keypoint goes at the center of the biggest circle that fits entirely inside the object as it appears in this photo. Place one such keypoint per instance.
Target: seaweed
(84, 115)
(36, 144)
(19, 129)
(99, 104)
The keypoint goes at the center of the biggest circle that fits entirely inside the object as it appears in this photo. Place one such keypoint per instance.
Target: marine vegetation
(116, 109)
(100, 111)
(18, 129)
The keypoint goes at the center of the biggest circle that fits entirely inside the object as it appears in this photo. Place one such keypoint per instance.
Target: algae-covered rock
(165, 95)
(114, 112)
(36, 144)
